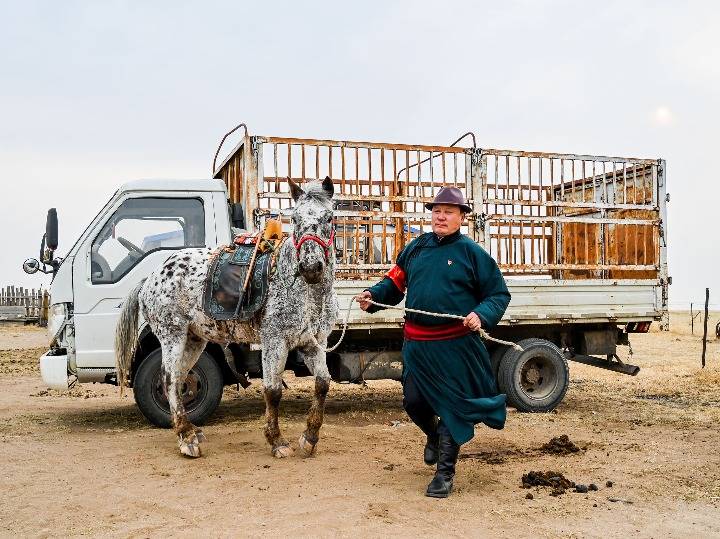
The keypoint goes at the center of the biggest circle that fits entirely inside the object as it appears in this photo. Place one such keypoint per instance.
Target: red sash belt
(418, 332)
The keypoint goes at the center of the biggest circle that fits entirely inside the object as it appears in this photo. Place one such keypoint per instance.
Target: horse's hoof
(190, 445)
(282, 451)
(191, 449)
(306, 448)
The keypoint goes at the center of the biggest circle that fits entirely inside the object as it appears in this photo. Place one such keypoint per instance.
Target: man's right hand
(362, 299)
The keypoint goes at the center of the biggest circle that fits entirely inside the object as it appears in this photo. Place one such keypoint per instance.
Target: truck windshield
(141, 226)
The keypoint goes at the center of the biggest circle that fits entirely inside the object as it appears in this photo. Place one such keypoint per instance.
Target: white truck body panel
(537, 301)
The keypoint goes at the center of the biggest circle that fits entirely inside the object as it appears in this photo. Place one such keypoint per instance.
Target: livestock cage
(539, 215)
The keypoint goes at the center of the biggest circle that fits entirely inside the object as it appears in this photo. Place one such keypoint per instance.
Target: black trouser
(420, 411)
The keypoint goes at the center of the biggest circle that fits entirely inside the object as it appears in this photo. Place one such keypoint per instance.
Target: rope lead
(483, 334)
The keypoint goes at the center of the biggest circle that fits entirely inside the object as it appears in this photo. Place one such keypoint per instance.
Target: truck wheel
(202, 390)
(536, 379)
(495, 358)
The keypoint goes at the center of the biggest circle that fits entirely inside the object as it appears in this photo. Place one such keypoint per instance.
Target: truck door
(139, 235)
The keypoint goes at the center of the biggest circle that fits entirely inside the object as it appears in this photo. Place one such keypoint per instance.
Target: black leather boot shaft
(448, 450)
(430, 455)
(429, 426)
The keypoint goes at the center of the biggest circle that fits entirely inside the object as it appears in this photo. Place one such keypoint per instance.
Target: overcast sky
(93, 94)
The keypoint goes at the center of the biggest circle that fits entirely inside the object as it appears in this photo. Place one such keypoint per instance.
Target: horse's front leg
(317, 363)
(274, 357)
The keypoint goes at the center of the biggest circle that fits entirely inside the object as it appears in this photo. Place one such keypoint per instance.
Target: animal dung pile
(560, 445)
(556, 481)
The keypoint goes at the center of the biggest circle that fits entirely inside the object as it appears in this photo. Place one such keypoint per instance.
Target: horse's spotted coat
(298, 315)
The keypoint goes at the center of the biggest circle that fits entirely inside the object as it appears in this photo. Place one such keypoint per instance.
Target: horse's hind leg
(274, 357)
(309, 439)
(182, 353)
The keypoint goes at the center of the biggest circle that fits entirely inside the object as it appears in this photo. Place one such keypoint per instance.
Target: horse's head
(313, 231)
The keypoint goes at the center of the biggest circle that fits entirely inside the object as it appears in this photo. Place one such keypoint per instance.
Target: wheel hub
(536, 377)
(192, 389)
(532, 375)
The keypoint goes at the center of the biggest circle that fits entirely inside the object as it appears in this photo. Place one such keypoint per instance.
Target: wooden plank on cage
(637, 245)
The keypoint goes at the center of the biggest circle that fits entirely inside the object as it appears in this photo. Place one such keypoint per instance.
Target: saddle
(224, 297)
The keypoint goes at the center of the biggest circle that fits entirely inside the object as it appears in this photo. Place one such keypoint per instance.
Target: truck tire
(495, 358)
(536, 379)
(201, 392)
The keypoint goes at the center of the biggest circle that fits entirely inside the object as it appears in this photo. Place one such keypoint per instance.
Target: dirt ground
(85, 463)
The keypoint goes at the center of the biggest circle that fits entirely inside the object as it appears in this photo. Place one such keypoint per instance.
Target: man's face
(446, 219)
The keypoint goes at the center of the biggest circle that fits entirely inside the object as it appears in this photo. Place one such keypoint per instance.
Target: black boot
(431, 449)
(429, 425)
(442, 484)
(423, 416)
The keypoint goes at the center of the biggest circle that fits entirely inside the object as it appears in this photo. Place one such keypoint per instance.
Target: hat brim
(463, 207)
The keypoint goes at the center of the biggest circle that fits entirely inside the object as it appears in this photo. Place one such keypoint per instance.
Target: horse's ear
(327, 185)
(295, 190)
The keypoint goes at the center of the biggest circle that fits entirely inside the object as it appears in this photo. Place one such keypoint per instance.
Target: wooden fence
(24, 304)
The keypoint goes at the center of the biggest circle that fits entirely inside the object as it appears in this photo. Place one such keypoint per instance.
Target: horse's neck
(287, 263)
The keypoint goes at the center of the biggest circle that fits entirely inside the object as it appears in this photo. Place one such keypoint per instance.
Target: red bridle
(317, 239)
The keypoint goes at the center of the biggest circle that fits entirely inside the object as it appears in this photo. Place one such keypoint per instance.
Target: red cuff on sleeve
(397, 276)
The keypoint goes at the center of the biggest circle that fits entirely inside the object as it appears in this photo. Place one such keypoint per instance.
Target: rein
(483, 334)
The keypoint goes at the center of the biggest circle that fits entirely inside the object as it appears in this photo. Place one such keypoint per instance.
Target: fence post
(692, 320)
(707, 301)
(44, 309)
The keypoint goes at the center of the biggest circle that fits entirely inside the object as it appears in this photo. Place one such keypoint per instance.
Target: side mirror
(30, 266)
(51, 230)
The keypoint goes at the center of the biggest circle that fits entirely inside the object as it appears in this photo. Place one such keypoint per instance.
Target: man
(447, 372)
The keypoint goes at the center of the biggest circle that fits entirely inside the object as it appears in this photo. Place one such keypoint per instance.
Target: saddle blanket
(226, 276)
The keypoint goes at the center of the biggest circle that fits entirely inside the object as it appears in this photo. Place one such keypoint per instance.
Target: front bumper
(54, 370)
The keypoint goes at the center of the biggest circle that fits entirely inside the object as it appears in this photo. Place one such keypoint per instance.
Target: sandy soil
(84, 462)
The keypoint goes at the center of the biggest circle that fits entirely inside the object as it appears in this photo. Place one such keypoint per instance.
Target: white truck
(579, 238)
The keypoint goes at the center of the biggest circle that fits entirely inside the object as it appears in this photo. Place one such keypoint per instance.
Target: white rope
(483, 334)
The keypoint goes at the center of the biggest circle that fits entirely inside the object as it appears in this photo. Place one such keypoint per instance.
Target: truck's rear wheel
(495, 358)
(202, 390)
(536, 379)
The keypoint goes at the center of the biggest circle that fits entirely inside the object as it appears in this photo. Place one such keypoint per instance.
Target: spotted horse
(298, 314)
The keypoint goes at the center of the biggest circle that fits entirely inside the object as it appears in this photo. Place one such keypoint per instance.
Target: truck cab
(143, 223)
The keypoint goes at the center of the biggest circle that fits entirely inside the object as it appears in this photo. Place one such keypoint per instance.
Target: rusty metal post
(664, 277)
(251, 179)
(476, 185)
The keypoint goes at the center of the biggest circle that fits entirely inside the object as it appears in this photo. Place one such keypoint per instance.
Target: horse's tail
(126, 335)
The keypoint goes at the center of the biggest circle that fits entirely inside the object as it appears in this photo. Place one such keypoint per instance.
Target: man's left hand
(472, 321)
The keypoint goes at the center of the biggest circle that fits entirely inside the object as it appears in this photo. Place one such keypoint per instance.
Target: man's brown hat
(450, 195)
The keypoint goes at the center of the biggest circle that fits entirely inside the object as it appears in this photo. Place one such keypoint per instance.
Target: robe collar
(447, 240)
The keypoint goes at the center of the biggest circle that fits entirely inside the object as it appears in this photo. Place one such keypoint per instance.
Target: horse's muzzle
(312, 272)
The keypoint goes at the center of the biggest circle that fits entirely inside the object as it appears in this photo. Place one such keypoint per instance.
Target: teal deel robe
(452, 275)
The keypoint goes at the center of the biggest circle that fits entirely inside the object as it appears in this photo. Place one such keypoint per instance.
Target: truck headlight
(56, 318)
